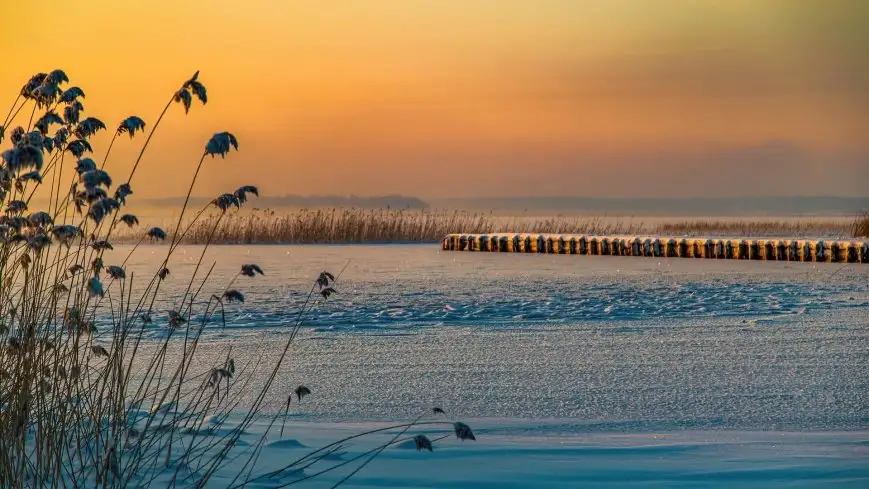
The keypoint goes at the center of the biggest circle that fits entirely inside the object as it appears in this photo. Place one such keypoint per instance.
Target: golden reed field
(353, 225)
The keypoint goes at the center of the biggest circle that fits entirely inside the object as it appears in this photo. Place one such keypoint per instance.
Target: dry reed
(351, 225)
(860, 228)
(795, 228)
(85, 400)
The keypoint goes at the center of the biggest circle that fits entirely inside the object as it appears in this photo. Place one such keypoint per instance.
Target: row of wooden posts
(804, 250)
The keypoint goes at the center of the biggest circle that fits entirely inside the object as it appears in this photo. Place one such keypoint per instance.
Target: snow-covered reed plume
(76, 407)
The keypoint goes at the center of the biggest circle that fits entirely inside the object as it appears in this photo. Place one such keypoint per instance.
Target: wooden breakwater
(803, 250)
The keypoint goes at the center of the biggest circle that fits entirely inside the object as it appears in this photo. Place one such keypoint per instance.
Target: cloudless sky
(454, 98)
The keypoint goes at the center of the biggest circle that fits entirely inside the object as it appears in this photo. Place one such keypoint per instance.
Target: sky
(460, 98)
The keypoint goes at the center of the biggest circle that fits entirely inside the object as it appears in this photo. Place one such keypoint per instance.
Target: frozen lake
(573, 370)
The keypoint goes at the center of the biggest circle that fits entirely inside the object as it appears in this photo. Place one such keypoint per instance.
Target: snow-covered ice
(573, 371)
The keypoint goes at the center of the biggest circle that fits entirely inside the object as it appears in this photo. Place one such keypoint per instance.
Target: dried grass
(795, 228)
(351, 225)
(84, 400)
(377, 225)
(860, 228)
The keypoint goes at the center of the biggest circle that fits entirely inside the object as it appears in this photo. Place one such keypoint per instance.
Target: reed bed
(372, 226)
(860, 227)
(87, 397)
(350, 225)
(796, 228)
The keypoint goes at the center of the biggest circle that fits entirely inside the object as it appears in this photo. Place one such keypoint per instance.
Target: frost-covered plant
(77, 409)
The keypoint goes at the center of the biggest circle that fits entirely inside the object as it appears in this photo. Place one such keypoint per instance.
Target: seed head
(233, 296)
(198, 89)
(325, 279)
(15, 222)
(218, 374)
(101, 208)
(40, 219)
(116, 272)
(422, 443)
(16, 207)
(95, 287)
(251, 269)
(220, 144)
(33, 175)
(78, 147)
(302, 391)
(88, 127)
(97, 265)
(85, 165)
(42, 124)
(183, 95)
(72, 112)
(463, 431)
(56, 77)
(241, 193)
(175, 319)
(46, 94)
(71, 94)
(130, 125)
(156, 233)
(95, 178)
(60, 137)
(122, 192)
(17, 135)
(32, 84)
(225, 201)
(38, 242)
(23, 157)
(65, 233)
(101, 245)
(91, 195)
(20, 238)
(130, 220)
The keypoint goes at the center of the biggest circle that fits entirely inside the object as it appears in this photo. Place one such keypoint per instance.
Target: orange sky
(457, 98)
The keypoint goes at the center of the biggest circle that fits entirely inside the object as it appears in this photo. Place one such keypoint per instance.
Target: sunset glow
(447, 99)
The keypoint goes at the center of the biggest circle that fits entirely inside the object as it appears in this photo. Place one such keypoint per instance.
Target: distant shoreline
(677, 207)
